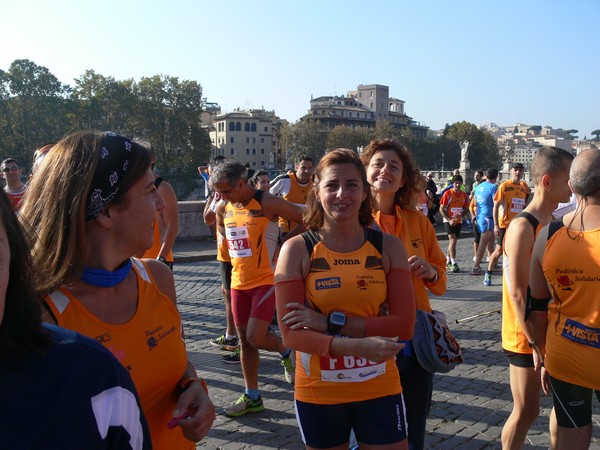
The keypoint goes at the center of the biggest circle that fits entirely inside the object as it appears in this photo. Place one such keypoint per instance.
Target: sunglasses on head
(10, 169)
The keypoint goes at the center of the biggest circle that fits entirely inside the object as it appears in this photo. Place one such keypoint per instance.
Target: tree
(33, 109)
(305, 137)
(597, 134)
(345, 137)
(385, 130)
(483, 149)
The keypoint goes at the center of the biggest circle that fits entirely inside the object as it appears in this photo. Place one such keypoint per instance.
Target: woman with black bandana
(91, 209)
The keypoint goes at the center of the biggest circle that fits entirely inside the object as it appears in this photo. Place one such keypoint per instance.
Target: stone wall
(191, 223)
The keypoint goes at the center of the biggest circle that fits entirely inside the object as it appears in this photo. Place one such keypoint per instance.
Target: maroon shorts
(256, 303)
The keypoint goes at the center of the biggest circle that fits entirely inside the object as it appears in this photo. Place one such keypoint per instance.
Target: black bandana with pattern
(112, 167)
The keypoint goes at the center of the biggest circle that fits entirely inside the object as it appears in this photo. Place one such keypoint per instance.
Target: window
(247, 140)
(254, 163)
(238, 126)
(231, 126)
(254, 151)
(232, 152)
(262, 140)
(266, 129)
(262, 151)
(253, 127)
(246, 126)
(262, 163)
(247, 151)
(231, 138)
(254, 140)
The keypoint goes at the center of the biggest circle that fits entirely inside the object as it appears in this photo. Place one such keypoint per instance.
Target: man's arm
(170, 218)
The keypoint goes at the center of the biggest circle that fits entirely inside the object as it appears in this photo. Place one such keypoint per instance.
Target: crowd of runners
(340, 254)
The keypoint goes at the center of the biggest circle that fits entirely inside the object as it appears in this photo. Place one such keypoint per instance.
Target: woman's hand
(300, 316)
(377, 348)
(420, 268)
(194, 412)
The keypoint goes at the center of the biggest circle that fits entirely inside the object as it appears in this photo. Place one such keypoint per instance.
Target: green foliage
(35, 108)
(597, 134)
(483, 149)
(344, 137)
(305, 137)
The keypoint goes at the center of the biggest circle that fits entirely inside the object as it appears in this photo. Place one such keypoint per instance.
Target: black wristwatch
(336, 320)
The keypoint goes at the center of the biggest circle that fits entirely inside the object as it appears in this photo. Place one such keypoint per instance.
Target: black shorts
(225, 269)
(520, 359)
(476, 231)
(453, 229)
(572, 403)
(500, 237)
(376, 422)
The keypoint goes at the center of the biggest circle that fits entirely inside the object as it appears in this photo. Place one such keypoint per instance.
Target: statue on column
(464, 150)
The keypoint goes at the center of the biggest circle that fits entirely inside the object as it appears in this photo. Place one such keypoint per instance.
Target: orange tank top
(153, 251)
(298, 194)
(245, 228)
(515, 196)
(513, 337)
(149, 346)
(573, 335)
(354, 283)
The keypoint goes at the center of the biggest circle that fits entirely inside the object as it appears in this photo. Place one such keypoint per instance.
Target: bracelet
(185, 382)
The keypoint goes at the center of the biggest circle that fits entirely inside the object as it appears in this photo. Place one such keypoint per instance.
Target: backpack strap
(258, 195)
(375, 237)
(311, 238)
(554, 226)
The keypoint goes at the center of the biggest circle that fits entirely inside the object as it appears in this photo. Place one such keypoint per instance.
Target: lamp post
(442, 161)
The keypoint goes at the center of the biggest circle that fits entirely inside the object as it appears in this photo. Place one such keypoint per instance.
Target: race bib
(456, 213)
(517, 205)
(350, 369)
(238, 242)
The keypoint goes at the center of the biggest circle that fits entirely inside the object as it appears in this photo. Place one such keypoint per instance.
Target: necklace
(106, 278)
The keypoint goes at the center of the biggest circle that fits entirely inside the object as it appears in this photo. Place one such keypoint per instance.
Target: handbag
(436, 349)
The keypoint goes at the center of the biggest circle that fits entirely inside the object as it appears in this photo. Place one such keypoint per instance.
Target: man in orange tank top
(244, 223)
(565, 330)
(550, 173)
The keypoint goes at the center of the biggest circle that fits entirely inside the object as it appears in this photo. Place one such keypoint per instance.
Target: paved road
(470, 404)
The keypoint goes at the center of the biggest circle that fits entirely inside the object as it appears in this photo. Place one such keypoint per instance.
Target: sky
(505, 62)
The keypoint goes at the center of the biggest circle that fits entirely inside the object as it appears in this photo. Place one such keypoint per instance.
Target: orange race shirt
(419, 238)
(354, 283)
(149, 345)
(245, 228)
(156, 246)
(454, 203)
(298, 193)
(573, 336)
(513, 337)
(514, 197)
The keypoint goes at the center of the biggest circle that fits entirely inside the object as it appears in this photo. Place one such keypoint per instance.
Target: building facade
(251, 136)
(363, 107)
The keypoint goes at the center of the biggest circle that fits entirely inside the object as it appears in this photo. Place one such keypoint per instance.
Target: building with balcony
(363, 107)
(251, 136)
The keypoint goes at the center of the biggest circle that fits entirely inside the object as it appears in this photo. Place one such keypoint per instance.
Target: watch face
(338, 318)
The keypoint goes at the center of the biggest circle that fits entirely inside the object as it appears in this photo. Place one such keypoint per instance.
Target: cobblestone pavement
(470, 404)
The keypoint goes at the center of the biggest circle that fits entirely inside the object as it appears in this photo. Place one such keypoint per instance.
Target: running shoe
(226, 344)
(448, 265)
(289, 367)
(476, 271)
(233, 357)
(244, 405)
(487, 279)
(455, 268)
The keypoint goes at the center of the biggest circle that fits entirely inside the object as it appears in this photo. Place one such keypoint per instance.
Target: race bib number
(517, 205)
(350, 369)
(456, 213)
(238, 242)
